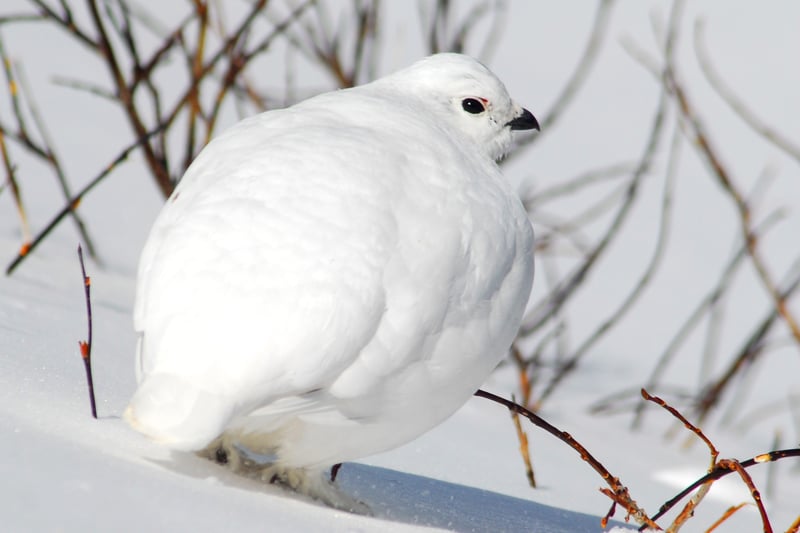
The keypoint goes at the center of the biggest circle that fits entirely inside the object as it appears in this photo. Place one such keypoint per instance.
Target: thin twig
(55, 163)
(688, 425)
(86, 347)
(106, 50)
(720, 472)
(76, 199)
(703, 144)
(524, 448)
(567, 288)
(21, 17)
(11, 180)
(717, 466)
(17, 86)
(691, 505)
(795, 527)
(201, 13)
(589, 57)
(734, 465)
(693, 320)
(689, 509)
(576, 184)
(66, 21)
(618, 493)
(734, 102)
(727, 514)
(748, 353)
(238, 60)
(646, 277)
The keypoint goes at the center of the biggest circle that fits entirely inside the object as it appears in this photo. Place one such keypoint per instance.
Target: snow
(64, 471)
(73, 473)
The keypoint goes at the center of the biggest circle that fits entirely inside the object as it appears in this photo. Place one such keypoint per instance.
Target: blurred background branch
(175, 81)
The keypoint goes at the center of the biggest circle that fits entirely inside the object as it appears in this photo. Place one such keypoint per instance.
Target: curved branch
(723, 469)
(578, 77)
(734, 102)
(75, 200)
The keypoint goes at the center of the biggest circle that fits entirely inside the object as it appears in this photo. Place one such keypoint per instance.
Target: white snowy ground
(60, 470)
(63, 471)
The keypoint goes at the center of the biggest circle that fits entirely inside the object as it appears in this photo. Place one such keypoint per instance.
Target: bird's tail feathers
(177, 414)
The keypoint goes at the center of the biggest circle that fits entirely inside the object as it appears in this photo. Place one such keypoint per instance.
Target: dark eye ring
(472, 105)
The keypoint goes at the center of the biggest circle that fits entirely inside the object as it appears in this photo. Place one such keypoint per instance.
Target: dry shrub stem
(216, 62)
(744, 111)
(577, 79)
(729, 513)
(73, 202)
(618, 492)
(703, 144)
(566, 289)
(524, 447)
(86, 346)
(25, 136)
(717, 470)
(795, 527)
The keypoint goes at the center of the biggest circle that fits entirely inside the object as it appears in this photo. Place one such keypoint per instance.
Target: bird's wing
(264, 271)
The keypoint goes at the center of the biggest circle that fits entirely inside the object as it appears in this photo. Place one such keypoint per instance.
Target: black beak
(524, 121)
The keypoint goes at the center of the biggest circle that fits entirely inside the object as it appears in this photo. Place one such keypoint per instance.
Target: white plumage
(333, 279)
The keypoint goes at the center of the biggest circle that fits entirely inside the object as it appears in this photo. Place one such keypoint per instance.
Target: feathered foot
(312, 482)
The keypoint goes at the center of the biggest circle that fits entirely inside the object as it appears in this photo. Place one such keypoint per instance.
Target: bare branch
(86, 347)
(578, 77)
(558, 297)
(703, 144)
(618, 493)
(17, 86)
(694, 319)
(578, 183)
(11, 181)
(643, 281)
(734, 102)
(748, 353)
(75, 200)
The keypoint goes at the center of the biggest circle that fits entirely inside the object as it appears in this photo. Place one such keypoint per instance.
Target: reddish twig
(103, 46)
(75, 200)
(691, 505)
(718, 469)
(727, 514)
(733, 465)
(718, 473)
(694, 429)
(725, 464)
(618, 492)
(86, 346)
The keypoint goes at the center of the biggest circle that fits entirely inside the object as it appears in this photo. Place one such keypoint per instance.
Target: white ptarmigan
(331, 280)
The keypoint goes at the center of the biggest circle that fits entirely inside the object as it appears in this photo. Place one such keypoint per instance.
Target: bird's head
(466, 95)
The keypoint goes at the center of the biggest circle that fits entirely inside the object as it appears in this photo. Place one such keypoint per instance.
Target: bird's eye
(472, 105)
